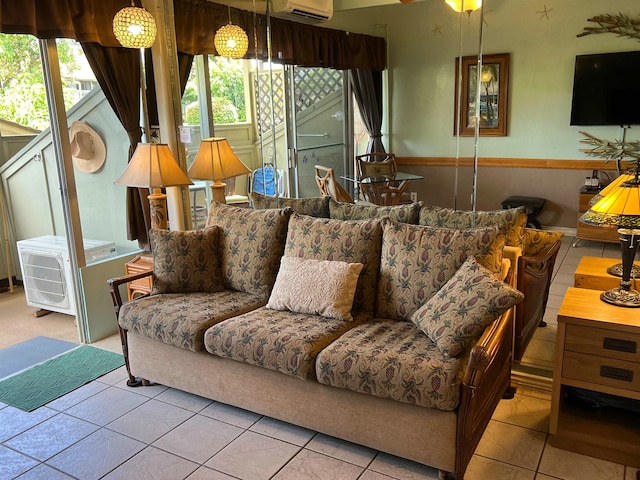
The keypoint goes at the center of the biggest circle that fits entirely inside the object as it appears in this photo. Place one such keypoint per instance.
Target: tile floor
(105, 430)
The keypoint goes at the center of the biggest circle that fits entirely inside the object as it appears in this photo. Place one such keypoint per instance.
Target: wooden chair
(328, 185)
(381, 168)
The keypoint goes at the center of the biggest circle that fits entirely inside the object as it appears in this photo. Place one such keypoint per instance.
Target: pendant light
(231, 40)
(134, 27)
(467, 6)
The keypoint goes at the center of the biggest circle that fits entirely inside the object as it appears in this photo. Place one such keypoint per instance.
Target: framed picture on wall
(494, 87)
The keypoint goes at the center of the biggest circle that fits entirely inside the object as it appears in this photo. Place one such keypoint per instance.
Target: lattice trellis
(262, 87)
(312, 86)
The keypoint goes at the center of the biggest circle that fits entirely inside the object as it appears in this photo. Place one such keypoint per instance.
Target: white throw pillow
(319, 287)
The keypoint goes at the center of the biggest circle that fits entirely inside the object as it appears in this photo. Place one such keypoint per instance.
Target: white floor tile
(229, 414)
(198, 439)
(14, 463)
(518, 446)
(400, 468)
(96, 455)
(481, 468)
(106, 406)
(253, 457)
(185, 400)
(51, 436)
(14, 421)
(573, 466)
(204, 473)
(309, 465)
(153, 464)
(282, 431)
(73, 398)
(43, 472)
(342, 450)
(524, 411)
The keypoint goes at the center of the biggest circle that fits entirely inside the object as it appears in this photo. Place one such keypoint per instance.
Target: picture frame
(493, 99)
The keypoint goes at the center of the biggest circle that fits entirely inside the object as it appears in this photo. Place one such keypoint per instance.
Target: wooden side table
(597, 350)
(592, 273)
(140, 264)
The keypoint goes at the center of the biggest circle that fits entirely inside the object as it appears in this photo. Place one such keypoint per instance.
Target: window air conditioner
(47, 274)
(305, 11)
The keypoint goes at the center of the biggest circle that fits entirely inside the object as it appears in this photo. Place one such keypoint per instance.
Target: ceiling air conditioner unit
(47, 274)
(305, 11)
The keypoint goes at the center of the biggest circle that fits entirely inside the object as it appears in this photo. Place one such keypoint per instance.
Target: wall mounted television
(606, 89)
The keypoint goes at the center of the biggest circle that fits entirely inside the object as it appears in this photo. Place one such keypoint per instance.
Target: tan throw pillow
(185, 261)
(471, 300)
(319, 287)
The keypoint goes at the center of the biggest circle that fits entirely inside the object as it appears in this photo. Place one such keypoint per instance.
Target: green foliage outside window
(227, 93)
(22, 91)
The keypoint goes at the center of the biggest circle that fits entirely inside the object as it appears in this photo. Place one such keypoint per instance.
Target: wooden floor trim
(545, 163)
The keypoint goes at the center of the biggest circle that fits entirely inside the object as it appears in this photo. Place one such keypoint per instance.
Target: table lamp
(216, 161)
(621, 207)
(154, 166)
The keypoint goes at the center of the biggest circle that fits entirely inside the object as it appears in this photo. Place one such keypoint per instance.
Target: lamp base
(621, 297)
(616, 270)
(218, 190)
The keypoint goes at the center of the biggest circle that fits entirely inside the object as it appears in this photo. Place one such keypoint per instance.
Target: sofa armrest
(486, 379)
(116, 282)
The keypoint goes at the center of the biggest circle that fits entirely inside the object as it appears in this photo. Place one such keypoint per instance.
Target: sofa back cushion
(513, 220)
(251, 244)
(185, 261)
(408, 213)
(417, 261)
(314, 207)
(345, 241)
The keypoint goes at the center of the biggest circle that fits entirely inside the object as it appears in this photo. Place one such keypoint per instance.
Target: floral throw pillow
(185, 261)
(320, 287)
(470, 301)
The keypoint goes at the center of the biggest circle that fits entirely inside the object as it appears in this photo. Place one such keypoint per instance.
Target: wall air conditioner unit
(47, 274)
(305, 11)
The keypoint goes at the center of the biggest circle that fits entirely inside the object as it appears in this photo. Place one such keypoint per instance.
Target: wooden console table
(592, 273)
(597, 350)
(592, 232)
(140, 264)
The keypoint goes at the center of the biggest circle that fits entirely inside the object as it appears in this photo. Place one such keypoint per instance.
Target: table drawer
(602, 371)
(602, 342)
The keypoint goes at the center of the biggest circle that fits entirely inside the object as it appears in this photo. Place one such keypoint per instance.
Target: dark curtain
(118, 73)
(292, 43)
(367, 88)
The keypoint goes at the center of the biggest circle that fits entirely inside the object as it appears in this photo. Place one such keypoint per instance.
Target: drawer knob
(616, 373)
(619, 345)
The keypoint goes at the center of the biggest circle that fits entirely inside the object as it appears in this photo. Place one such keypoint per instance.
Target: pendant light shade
(467, 6)
(134, 27)
(231, 41)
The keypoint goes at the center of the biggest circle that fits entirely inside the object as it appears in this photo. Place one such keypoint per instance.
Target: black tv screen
(606, 89)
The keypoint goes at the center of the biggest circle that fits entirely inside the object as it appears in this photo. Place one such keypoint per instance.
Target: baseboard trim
(532, 381)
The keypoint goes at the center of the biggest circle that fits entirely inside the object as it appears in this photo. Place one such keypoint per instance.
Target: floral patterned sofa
(375, 330)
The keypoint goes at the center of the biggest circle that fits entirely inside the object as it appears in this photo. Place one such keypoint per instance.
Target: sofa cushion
(537, 241)
(417, 261)
(180, 319)
(345, 241)
(314, 207)
(394, 360)
(185, 261)
(512, 219)
(456, 316)
(286, 342)
(408, 213)
(251, 245)
(320, 287)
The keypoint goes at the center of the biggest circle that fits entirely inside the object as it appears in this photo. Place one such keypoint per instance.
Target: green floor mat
(56, 377)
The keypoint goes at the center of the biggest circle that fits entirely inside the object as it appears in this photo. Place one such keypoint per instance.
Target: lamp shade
(609, 188)
(464, 5)
(620, 207)
(231, 41)
(216, 161)
(153, 165)
(134, 27)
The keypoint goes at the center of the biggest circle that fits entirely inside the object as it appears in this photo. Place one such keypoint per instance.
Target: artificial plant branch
(616, 150)
(621, 24)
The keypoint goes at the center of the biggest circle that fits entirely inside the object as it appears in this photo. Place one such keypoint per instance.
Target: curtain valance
(196, 22)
